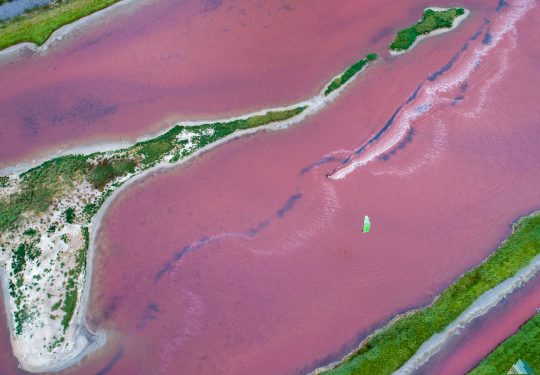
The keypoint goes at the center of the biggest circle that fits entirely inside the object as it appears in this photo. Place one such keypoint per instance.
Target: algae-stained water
(249, 260)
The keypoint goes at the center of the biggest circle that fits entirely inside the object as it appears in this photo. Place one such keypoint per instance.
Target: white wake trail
(431, 93)
(432, 154)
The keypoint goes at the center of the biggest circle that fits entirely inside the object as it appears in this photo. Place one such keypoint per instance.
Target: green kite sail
(367, 224)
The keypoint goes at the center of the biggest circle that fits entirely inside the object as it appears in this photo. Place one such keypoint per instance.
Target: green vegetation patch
(56, 306)
(21, 316)
(389, 348)
(153, 150)
(57, 342)
(70, 301)
(25, 251)
(109, 169)
(30, 232)
(524, 344)
(39, 187)
(431, 20)
(223, 129)
(70, 215)
(38, 24)
(4, 181)
(349, 73)
(90, 210)
(18, 259)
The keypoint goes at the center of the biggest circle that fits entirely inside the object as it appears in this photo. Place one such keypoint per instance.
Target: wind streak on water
(109, 366)
(196, 245)
(430, 93)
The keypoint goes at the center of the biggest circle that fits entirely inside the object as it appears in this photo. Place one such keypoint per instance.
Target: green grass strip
(37, 25)
(390, 347)
(349, 73)
(524, 344)
(431, 20)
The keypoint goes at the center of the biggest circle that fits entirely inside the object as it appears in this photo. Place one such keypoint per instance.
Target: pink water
(238, 263)
(162, 61)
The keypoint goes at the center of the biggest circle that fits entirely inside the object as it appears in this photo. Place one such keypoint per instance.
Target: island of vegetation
(390, 347)
(524, 344)
(349, 73)
(37, 25)
(48, 216)
(434, 21)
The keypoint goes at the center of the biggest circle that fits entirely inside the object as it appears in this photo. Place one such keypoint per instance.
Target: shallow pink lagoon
(157, 62)
(249, 260)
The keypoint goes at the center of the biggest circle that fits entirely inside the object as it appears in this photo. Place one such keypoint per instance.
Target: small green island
(391, 346)
(349, 73)
(37, 25)
(524, 345)
(434, 20)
